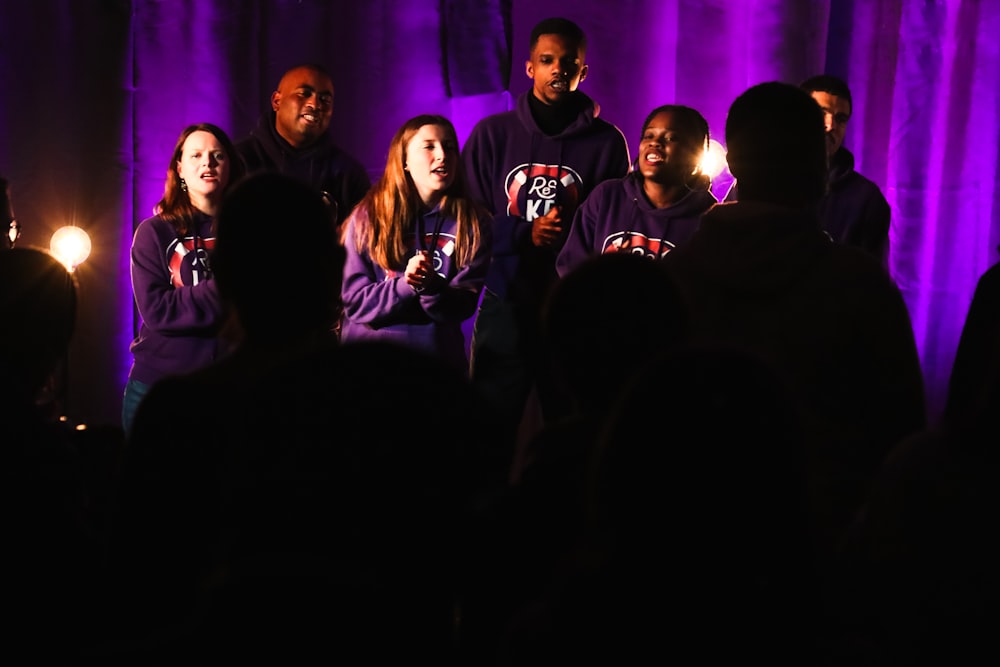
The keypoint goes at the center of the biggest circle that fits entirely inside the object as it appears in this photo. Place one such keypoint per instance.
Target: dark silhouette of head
(775, 137)
(277, 295)
(38, 303)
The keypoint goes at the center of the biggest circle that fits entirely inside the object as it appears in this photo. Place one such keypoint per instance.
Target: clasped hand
(420, 274)
(545, 229)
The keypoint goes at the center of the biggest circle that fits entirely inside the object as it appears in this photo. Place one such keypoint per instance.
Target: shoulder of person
(489, 123)
(154, 225)
(615, 188)
(857, 265)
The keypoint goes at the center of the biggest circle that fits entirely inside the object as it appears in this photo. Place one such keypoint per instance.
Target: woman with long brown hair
(418, 247)
(171, 273)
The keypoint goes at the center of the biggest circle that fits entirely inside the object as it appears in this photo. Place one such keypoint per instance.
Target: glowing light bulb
(71, 246)
(713, 160)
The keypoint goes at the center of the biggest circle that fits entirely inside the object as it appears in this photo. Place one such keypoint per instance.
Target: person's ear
(529, 69)
(275, 99)
(583, 72)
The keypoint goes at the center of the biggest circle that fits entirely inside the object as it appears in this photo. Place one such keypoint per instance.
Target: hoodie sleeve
(169, 310)
(369, 295)
(457, 302)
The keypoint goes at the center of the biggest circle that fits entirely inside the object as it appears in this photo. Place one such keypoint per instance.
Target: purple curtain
(95, 93)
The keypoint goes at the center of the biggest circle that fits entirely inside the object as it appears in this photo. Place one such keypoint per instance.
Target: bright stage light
(713, 160)
(71, 246)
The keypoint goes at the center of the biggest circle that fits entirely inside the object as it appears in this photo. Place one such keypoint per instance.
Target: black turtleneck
(552, 119)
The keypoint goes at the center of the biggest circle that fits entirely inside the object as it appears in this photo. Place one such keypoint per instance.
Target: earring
(184, 186)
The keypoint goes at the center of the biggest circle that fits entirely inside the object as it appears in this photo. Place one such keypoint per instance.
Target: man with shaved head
(293, 138)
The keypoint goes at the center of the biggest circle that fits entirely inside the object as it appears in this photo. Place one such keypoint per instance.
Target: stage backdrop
(95, 92)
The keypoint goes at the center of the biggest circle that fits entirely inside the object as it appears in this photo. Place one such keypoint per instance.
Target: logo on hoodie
(533, 189)
(197, 266)
(637, 244)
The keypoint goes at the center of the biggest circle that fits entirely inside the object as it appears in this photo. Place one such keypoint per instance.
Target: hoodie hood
(753, 247)
(693, 204)
(279, 150)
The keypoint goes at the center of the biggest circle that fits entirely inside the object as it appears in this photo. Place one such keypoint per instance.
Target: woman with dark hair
(648, 212)
(171, 275)
(418, 247)
(657, 205)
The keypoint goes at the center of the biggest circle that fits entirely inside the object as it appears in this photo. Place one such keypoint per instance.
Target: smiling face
(303, 104)
(431, 158)
(204, 166)
(669, 151)
(556, 66)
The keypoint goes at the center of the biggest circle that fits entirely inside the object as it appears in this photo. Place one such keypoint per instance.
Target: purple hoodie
(519, 173)
(177, 300)
(617, 217)
(379, 305)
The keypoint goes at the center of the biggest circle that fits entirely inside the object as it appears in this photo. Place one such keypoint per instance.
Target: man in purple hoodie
(532, 166)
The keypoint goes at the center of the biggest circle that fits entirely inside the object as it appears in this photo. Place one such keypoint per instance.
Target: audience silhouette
(978, 348)
(760, 273)
(610, 316)
(51, 520)
(697, 532)
(300, 498)
(745, 472)
(919, 583)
